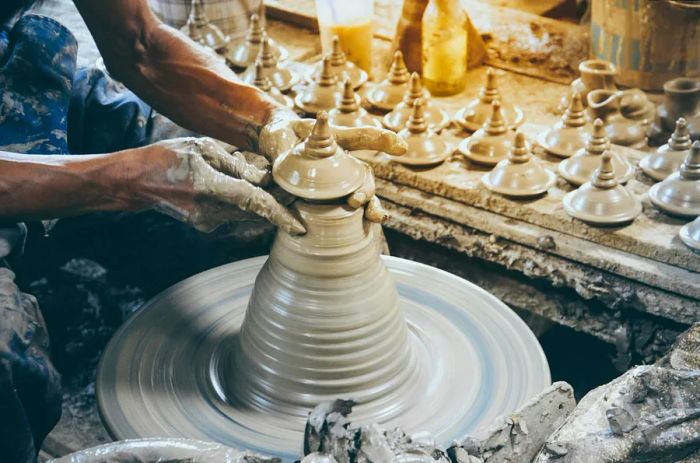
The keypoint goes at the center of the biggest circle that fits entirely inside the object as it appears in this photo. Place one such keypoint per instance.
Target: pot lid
(569, 134)
(280, 75)
(389, 92)
(690, 234)
(475, 113)
(492, 142)
(348, 112)
(318, 168)
(244, 53)
(679, 193)
(434, 116)
(201, 30)
(322, 94)
(425, 147)
(668, 158)
(340, 67)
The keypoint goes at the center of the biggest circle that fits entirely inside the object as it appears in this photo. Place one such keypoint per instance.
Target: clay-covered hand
(198, 181)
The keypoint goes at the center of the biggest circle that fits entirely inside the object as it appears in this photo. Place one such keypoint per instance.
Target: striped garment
(231, 16)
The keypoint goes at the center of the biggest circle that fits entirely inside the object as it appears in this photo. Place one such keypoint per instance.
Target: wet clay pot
(491, 143)
(340, 66)
(425, 147)
(349, 113)
(690, 234)
(605, 105)
(681, 99)
(202, 31)
(261, 81)
(521, 174)
(602, 200)
(323, 94)
(668, 158)
(473, 116)
(569, 134)
(281, 76)
(435, 117)
(242, 54)
(389, 92)
(578, 169)
(679, 193)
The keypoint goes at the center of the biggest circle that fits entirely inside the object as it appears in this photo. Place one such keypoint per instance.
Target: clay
(349, 113)
(389, 92)
(243, 54)
(280, 75)
(340, 66)
(605, 105)
(202, 31)
(521, 174)
(681, 99)
(569, 134)
(261, 81)
(690, 234)
(322, 94)
(679, 193)
(578, 169)
(491, 143)
(602, 200)
(477, 111)
(425, 147)
(435, 117)
(669, 157)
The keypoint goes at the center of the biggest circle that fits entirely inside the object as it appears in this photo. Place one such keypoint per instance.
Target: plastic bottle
(444, 39)
(351, 21)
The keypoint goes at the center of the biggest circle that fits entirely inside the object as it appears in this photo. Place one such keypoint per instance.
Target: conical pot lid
(389, 92)
(668, 158)
(490, 144)
(318, 168)
(348, 113)
(280, 75)
(568, 135)
(520, 174)
(261, 81)
(425, 147)
(578, 169)
(321, 95)
(435, 117)
(679, 194)
(340, 67)
(477, 111)
(244, 53)
(690, 234)
(602, 201)
(201, 30)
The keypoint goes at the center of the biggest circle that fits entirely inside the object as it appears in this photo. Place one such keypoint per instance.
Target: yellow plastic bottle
(444, 39)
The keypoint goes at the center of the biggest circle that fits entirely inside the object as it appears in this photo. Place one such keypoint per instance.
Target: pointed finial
(598, 143)
(574, 115)
(680, 139)
(604, 176)
(496, 123)
(415, 89)
(321, 143)
(690, 169)
(338, 57)
(262, 14)
(198, 14)
(520, 152)
(398, 73)
(348, 104)
(260, 80)
(489, 92)
(265, 54)
(327, 77)
(416, 121)
(255, 30)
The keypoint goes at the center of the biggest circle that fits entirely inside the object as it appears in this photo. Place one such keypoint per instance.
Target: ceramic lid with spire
(389, 92)
(434, 116)
(348, 112)
(679, 193)
(491, 143)
(473, 116)
(322, 94)
(570, 133)
(690, 234)
(244, 53)
(668, 158)
(425, 147)
(280, 75)
(317, 168)
(340, 66)
(261, 81)
(201, 30)
(578, 169)
(602, 200)
(521, 174)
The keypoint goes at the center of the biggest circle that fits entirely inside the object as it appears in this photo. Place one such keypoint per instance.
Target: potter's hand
(198, 181)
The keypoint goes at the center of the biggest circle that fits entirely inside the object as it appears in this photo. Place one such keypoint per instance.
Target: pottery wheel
(160, 375)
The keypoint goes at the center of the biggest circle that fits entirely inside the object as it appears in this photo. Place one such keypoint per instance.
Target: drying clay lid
(318, 168)
(668, 158)
(201, 30)
(491, 143)
(569, 134)
(246, 52)
(348, 113)
(320, 95)
(280, 75)
(602, 200)
(520, 174)
(679, 194)
(690, 234)
(434, 116)
(425, 147)
(389, 92)
(261, 81)
(578, 169)
(340, 66)
(473, 116)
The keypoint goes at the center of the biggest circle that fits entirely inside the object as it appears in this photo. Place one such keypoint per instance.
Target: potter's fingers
(256, 159)
(225, 146)
(362, 195)
(370, 138)
(375, 212)
(302, 127)
(236, 165)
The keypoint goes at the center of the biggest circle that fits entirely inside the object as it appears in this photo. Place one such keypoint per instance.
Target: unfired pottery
(322, 94)
(605, 105)
(490, 144)
(243, 54)
(435, 117)
(389, 92)
(578, 169)
(280, 75)
(521, 174)
(425, 147)
(690, 234)
(602, 200)
(473, 116)
(340, 67)
(261, 81)
(202, 31)
(668, 158)
(569, 134)
(349, 113)
(681, 99)
(679, 193)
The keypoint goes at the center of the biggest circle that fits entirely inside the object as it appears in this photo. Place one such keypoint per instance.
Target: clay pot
(475, 113)
(349, 113)
(321, 95)
(596, 74)
(261, 81)
(690, 234)
(605, 105)
(521, 174)
(435, 117)
(569, 134)
(682, 99)
(669, 157)
(389, 92)
(243, 54)
(202, 31)
(281, 76)
(425, 147)
(340, 66)
(679, 193)
(492, 142)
